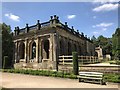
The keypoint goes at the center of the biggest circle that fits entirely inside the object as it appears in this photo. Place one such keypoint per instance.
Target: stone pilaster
(28, 51)
(51, 47)
(40, 50)
(26, 47)
(37, 49)
(16, 52)
(55, 50)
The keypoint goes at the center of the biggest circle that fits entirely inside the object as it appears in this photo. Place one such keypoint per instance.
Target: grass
(109, 77)
(41, 73)
(112, 77)
(117, 62)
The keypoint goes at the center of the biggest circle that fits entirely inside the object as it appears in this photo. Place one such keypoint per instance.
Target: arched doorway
(46, 47)
(69, 49)
(96, 54)
(75, 48)
(32, 50)
(80, 51)
(61, 47)
(22, 50)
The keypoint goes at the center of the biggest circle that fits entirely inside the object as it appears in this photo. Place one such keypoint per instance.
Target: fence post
(75, 63)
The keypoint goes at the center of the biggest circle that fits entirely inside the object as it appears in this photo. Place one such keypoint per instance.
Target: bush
(112, 62)
(41, 72)
(112, 78)
(117, 62)
(75, 63)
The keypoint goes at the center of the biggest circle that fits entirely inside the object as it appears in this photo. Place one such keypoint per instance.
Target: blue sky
(92, 18)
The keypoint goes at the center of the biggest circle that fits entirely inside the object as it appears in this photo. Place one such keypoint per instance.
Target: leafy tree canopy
(7, 44)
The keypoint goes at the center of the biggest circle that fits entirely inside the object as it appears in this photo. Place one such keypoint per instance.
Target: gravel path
(10, 80)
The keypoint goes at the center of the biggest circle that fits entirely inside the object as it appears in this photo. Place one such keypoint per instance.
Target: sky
(91, 18)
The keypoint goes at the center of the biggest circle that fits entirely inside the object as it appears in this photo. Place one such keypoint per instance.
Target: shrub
(17, 71)
(75, 63)
(118, 62)
(5, 62)
(112, 78)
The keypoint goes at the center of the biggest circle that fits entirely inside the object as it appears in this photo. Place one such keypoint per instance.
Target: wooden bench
(93, 77)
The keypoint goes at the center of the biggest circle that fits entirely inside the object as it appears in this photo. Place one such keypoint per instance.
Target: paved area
(103, 64)
(10, 80)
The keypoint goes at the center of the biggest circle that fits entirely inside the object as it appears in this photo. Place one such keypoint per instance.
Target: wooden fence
(67, 60)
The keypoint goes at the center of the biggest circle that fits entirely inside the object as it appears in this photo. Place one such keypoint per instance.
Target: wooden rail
(81, 59)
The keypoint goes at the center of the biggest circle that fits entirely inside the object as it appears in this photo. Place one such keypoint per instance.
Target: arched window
(75, 47)
(46, 49)
(61, 47)
(80, 51)
(33, 50)
(69, 49)
(22, 50)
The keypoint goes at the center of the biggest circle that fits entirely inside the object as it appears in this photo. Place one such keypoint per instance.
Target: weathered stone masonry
(40, 45)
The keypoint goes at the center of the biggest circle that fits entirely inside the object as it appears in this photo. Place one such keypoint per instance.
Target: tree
(94, 40)
(116, 44)
(7, 44)
(104, 42)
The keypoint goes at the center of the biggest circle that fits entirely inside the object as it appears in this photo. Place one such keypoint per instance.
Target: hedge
(41, 73)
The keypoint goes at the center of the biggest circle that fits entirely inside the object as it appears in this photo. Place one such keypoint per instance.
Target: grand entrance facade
(41, 44)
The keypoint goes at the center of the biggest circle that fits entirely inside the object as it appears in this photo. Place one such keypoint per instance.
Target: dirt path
(10, 80)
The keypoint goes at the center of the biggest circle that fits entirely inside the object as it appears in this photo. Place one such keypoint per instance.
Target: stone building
(40, 45)
(99, 52)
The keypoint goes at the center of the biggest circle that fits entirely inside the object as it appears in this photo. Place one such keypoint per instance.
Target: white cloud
(71, 16)
(106, 7)
(12, 17)
(104, 29)
(95, 32)
(105, 1)
(103, 25)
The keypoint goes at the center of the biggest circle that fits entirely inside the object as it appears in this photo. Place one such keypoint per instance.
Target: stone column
(51, 47)
(28, 51)
(26, 47)
(37, 49)
(16, 52)
(55, 50)
(40, 50)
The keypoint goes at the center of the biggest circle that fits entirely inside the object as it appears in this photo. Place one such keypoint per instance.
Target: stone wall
(39, 46)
